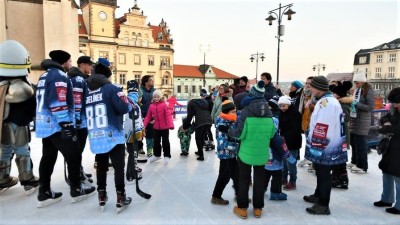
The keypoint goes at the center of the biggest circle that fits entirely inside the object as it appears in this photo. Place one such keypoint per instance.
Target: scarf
(229, 117)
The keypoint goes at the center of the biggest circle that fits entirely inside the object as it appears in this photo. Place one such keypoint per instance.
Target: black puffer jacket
(390, 162)
(290, 127)
(197, 108)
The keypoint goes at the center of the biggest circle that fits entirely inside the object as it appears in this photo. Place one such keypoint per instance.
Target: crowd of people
(258, 132)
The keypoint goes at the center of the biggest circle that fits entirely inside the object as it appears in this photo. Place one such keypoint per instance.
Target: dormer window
(159, 36)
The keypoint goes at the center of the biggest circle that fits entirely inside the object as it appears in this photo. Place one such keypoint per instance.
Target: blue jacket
(79, 86)
(105, 106)
(54, 98)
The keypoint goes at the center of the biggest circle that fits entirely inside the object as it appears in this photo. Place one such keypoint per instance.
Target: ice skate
(131, 179)
(154, 158)
(122, 201)
(103, 198)
(6, 181)
(30, 186)
(84, 177)
(11, 181)
(48, 197)
(81, 193)
(311, 168)
(341, 182)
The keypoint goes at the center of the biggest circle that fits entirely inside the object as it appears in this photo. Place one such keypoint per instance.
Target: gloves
(223, 128)
(291, 160)
(78, 123)
(386, 129)
(68, 130)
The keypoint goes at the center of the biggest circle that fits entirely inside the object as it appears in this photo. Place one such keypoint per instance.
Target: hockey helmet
(14, 59)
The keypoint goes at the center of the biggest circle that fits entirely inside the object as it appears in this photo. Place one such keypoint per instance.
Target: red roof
(81, 25)
(156, 30)
(193, 71)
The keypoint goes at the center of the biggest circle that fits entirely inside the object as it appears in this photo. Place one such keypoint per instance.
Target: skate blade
(30, 191)
(120, 209)
(102, 206)
(82, 197)
(48, 202)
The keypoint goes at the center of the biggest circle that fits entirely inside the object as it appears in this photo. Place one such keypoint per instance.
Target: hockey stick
(136, 147)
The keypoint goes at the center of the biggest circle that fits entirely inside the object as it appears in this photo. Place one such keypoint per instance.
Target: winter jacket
(390, 162)
(147, 96)
(216, 110)
(270, 91)
(197, 108)
(227, 147)
(79, 87)
(361, 124)
(290, 127)
(134, 115)
(325, 138)
(161, 114)
(345, 102)
(254, 128)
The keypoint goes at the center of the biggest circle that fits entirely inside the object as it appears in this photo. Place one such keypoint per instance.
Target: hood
(201, 103)
(48, 63)
(346, 100)
(96, 81)
(258, 107)
(74, 71)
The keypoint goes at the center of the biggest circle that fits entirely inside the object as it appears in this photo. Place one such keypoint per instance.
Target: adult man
(270, 90)
(17, 109)
(325, 143)
(241, 86)
(55, 121)
(145, 97)
(78, 78)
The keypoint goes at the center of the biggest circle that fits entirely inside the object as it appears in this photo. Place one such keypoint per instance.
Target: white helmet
(14, 59)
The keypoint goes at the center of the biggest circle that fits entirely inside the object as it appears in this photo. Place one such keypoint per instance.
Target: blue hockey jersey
(54, 98)
(105, 106)
(79, 86)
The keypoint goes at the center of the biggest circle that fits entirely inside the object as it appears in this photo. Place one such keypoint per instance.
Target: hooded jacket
(161, 114)
(197, 108)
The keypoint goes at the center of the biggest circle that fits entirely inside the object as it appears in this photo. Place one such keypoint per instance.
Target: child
(227, 151)
(133, 134)
(290, 130)
(185, 137)
(162, 123)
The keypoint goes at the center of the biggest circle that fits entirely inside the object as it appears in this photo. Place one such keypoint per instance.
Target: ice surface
(181, 194)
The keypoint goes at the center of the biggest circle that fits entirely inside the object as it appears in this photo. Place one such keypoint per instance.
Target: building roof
(340, 76)
(81, 25)
(156, 30)
(395, 44)
(195, 72)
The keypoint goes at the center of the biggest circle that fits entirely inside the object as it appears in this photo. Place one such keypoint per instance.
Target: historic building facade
(382, 64)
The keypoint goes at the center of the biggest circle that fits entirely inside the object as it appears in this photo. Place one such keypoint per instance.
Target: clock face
(102, 15)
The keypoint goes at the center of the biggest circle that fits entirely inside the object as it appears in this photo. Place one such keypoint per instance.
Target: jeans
(290, 169)
(359, 151)
(391, 184)
(324, 186)
(6, 151)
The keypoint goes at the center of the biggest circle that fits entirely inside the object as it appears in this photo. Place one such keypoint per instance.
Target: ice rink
(181, 194)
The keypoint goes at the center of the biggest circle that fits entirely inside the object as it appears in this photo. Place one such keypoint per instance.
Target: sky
(321, 32)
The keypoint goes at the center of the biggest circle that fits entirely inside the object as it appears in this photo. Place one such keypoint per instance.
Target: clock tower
(99, 15)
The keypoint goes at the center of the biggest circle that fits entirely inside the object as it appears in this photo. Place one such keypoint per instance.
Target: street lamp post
(256, 57)
(204, 49)
(282, 10)
(319, 66)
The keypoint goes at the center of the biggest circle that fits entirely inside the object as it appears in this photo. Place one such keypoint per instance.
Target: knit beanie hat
(103, 67)
(60, 56)
(320, 83)
(227, 106)
(342, 89)
(359, 77)
(297, 84)
(258, 89)
(394, 95)
(284, 100)
(203, 93)
(132, 86)
(273, 102)
(158, 93)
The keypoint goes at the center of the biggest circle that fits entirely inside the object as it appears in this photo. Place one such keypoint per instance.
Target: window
(378, 71)
(150, 60)
(138, 42)
(186, 89)
(136, 59)
(193, 89)
(392, 57)
(159, 36)
(137, 78)
(122, 79)
(121, 59)
(165, 80)
(379, 58)
(179, 89)
(165, 61)
(377, 87)
(363, 60)
(144, 43)
(391, 72)
(200, 87)
(103, 54)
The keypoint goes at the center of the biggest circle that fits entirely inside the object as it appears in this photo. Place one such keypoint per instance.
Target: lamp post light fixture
(319, 67)
(282, 10)
(256, 57)
(204, 49)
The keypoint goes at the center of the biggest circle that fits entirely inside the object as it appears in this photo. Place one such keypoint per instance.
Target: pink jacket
(161, 114)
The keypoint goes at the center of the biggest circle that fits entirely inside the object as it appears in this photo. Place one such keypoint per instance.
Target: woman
(223, 90)
(390, 163)
(360, 121)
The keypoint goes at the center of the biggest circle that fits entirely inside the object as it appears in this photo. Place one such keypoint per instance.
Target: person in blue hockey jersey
(55, 124)
(105, 106)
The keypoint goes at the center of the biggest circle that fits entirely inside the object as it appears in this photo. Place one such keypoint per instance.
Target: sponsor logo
(334, 158)
(77, 98)
(320, 131)
(61, 94)
(60, 84)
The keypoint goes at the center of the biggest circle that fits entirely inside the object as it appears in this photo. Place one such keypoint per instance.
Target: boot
(84, 177)
(81, 193)
(47, 197)
(318, 209)
(219, 201)
(103, 198)
(122, 201)
(341, 182)
(278, 196)
(240, 212)
(6, 181)
(257, 212)
(311, 198)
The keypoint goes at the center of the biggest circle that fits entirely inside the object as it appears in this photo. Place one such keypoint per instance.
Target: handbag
(383, 145)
